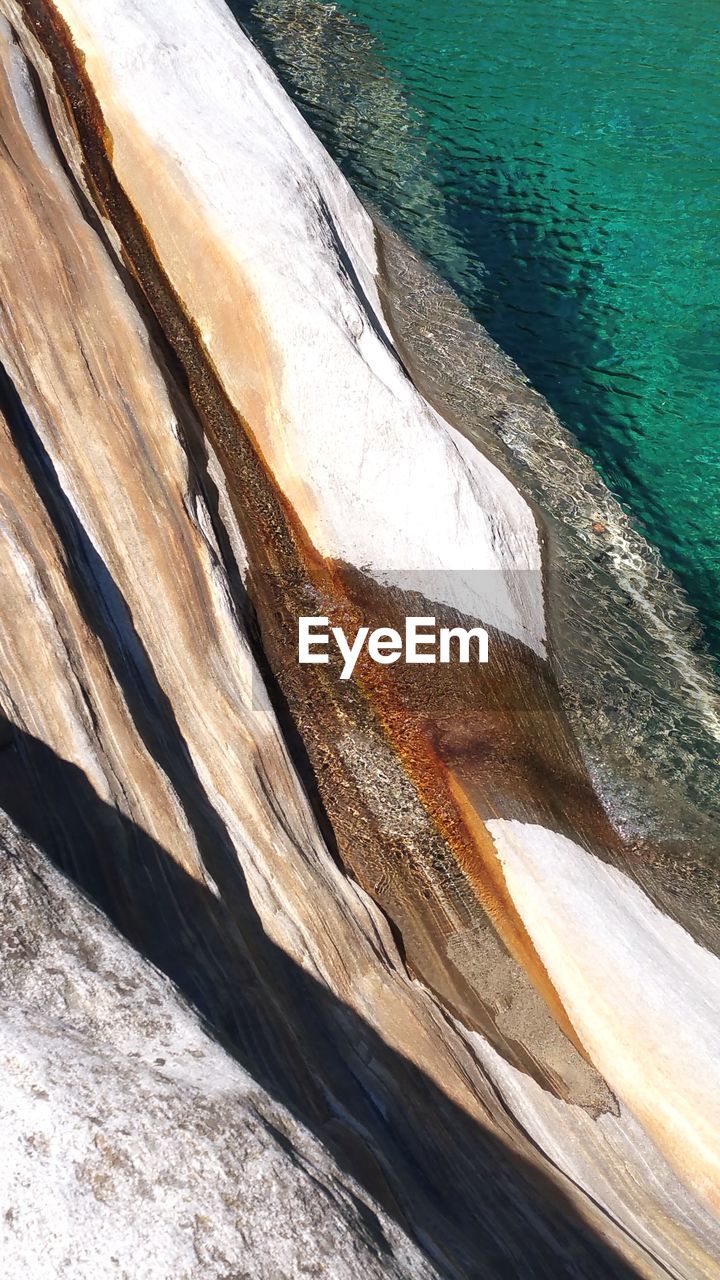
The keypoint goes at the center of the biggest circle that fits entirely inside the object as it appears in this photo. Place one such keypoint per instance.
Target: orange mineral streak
(465, 832)
(287, 551)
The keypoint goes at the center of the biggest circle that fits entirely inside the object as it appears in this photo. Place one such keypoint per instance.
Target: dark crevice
(194, 443)
(193, 387)
(106, 613)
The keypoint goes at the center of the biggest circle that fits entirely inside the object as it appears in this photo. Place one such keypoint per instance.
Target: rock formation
(457, 1018)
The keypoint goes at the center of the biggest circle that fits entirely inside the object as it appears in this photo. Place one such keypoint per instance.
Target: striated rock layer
(400, 902)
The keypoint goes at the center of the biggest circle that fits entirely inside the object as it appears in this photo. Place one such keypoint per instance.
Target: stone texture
(133, 1145)
(185, 295)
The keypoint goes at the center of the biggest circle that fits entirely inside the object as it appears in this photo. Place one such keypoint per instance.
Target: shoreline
(495, 388)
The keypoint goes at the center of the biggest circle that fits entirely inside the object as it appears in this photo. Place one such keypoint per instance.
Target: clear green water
(558, 160)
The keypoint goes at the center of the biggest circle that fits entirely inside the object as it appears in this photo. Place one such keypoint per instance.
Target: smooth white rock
(643, 996)
(379, 479)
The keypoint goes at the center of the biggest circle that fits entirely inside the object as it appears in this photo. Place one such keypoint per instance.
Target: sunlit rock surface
(401, 903)
(134, 1145)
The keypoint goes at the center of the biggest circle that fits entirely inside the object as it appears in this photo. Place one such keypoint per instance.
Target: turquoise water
(558, 162)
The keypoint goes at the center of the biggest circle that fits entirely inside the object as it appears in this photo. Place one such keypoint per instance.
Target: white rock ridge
(192, 108)
(641, 993)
